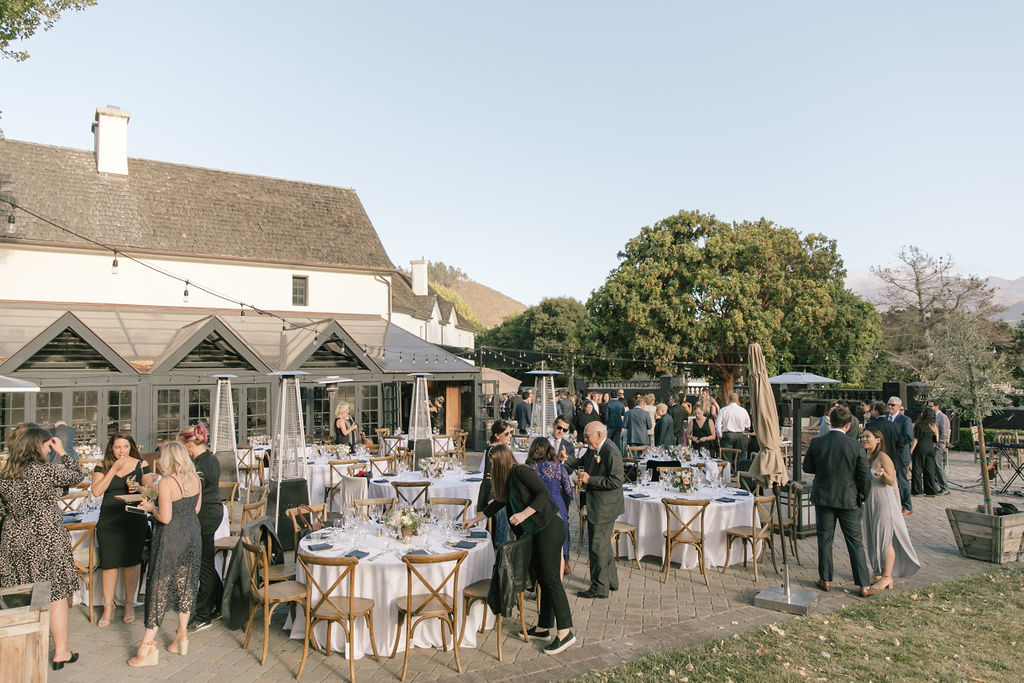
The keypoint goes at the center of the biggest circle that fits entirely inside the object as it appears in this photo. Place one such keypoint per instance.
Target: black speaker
(292, 493)
(894, 389)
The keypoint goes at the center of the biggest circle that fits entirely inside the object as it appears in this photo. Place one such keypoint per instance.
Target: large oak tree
(692, 288)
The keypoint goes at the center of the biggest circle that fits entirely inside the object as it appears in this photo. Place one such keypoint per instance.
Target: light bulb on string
(184, 296)
(113, 266)
(12, 227)
(243, 310)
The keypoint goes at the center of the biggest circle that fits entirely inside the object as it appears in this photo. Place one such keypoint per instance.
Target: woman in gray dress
(890, 552)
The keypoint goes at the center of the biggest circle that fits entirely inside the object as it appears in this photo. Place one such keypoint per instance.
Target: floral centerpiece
(433, 468)
(84, 452)
(406, 522)
(683, 480)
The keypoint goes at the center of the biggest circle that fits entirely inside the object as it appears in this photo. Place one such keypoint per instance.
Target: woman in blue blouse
(552, 472)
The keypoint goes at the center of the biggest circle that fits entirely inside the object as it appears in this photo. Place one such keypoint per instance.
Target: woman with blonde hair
(210, 515)
(176, 556)
(34, 545)
(346, 430)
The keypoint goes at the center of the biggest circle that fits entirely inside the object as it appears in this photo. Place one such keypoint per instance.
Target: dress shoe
(866, 592)
(824, 585)
(151, 658)
(57, 666)
(907, 513)
(589, 594)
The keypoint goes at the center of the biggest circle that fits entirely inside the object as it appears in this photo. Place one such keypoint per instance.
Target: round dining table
(452, 485)
(382, 576)
(729, 507)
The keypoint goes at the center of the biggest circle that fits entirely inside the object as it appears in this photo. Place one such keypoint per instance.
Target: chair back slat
(317, 593)
(763, 520)
(684, 525)
(434, 590)
(412, 494)
(363, 505)
(383, 465)
(461, 505)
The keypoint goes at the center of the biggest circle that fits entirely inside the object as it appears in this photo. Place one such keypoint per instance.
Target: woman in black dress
(173, 579)
(702, 431)
(210, 515)
(521, 492)
(922, 453)
(346, 431)
(121, 535)
(34, 545)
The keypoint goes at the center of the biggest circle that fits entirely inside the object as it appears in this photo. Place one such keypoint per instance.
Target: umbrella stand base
(786, 599)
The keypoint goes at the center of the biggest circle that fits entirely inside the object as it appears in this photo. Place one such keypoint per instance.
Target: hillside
(489, 305)
(1008, 293)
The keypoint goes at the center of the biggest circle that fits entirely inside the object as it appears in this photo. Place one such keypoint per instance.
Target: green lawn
(971, 628)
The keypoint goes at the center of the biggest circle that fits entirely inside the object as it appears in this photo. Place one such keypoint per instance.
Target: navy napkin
(360, 554)
(478, 534)
(464, 545)
(742, 493)
(319, 546)
(724, 499)
(380, 481)
(71, 517)
(639, 495)
(418, 551)
(474, 479)
(390, 474)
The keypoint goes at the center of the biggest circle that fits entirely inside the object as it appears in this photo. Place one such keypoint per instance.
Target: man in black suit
(900, 452)
(563, 447)
(602, 476)
(614, 416)
(565, 407)
(524, 413)
(842, 480)
(678, 413)
(889, 432)
(66, 434)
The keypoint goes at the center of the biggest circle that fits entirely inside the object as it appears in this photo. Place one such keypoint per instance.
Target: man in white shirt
(733, 422)
(563, 447)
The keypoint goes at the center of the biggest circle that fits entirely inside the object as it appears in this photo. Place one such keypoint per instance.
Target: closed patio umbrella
(769, 467)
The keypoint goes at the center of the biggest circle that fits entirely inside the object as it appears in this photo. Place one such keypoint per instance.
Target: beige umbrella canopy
(769, 467)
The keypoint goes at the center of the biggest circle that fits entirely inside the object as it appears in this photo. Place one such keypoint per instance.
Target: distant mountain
(1008, 293)
(489, 305)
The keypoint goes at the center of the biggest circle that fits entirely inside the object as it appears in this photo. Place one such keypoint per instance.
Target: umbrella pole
(784, 598)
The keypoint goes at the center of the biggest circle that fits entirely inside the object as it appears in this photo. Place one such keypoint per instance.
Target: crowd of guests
(36, 547)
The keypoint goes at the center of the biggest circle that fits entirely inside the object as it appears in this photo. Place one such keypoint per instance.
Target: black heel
(57, 666)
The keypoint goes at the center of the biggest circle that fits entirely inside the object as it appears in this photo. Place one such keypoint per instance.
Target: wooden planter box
(991, 538)
(25, 632)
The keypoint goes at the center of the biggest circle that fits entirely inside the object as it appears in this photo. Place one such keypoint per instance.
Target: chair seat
(236, 530)
(282, 572)
(81, 557)
(226, 543)
(333, 608)
(622, 527)
(285, 591)
(684, 537)
(426, 605)
(478, 590)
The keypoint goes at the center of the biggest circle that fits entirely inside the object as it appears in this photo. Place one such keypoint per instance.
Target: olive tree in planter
(967, 378)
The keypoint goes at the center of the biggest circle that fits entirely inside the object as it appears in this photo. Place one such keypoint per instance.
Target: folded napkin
(725, 499)
(464, 545)
(319, 546)
(360, 554)
(418, 551)
(478, 534)
(473, 479)
(71, 516)
(389, 474)
(639, 495)
(380, 481)
(477, 472)
(741, 493)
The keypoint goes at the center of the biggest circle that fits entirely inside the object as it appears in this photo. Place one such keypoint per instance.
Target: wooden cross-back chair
(363, 505)
(270, 595)
(459, 438)
(389, 445)
(441, 445)
(412, 494)
(249, 466)
(73, 500)
(684, 531)
(83, 553)
(760, 531)
(336, 473)
(327, 604)
(461, 506)
(437, 603)
(383, 465)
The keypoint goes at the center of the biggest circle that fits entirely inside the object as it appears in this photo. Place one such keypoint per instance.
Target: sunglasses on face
(559, 429)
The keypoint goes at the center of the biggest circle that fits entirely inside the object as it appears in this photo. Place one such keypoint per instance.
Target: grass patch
(965, 629)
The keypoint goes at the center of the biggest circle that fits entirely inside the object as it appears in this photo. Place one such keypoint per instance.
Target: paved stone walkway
(645, 616)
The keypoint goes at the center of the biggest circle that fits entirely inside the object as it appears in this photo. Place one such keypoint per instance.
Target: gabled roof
(422, 307)
(208, 344)
(325, 344)
(67, 344)
(187, 210)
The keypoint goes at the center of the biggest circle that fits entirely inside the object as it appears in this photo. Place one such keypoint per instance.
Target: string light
(184, 296)
(243, 311)
(11, 225)
(113, 266)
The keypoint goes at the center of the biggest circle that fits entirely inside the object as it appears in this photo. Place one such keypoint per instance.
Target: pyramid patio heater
(288, 486)
(222, 438)
(419, 419)
(544, 411)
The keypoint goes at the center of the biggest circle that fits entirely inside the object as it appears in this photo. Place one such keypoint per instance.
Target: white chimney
(419, 277)
(111, 130)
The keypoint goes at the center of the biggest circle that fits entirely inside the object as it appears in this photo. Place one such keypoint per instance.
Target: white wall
(73, 276)
(452, 336)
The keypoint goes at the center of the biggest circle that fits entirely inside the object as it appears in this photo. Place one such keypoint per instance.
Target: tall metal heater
(222, 437)
(288, 472)
(544, 410)
(419, 418)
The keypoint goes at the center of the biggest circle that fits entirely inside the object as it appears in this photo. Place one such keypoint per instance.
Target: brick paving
(643, 617)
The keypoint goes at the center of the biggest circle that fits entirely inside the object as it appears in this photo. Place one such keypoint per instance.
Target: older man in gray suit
(601, 473)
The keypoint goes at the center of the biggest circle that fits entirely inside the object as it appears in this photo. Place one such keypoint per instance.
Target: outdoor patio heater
(288, 472)
(419, 418)
(544, 411)
(222, 438)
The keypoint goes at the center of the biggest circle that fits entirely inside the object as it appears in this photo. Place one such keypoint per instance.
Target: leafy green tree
(550, 326)
(692, 288)
(460, 304)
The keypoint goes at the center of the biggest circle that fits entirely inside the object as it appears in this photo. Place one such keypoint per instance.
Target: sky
(527, 142)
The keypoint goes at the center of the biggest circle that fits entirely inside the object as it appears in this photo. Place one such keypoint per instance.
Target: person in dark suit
(602, 475)
(562, 445)
(66, 434)
(565, 407)
(524, 413)
(842, 480)
(638, 423)
(679, 417)
(901, 458)
(614, 416)
(879, 421)
(664, 427)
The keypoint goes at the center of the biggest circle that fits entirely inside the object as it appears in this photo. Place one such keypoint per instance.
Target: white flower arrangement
(683, 480)
(401, 520)
(433, 468)
(83, 452)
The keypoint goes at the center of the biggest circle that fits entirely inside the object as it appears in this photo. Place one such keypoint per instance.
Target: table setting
(448, 479)
(379, 543)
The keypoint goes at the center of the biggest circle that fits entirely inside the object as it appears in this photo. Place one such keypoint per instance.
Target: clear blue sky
(526, 142)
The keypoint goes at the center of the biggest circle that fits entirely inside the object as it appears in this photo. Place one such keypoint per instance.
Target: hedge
(967, 441)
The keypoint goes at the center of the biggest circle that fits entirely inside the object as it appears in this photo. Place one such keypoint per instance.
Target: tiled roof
(423, 306)
(187, 210)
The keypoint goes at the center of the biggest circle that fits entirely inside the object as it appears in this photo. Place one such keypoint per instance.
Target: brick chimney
(419, 277)
(111, 130)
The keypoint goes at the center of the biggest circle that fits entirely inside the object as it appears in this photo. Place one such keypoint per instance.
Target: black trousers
(903, 484)
(737, 440)
(603, 574)
(923, 472)
(211, 589)
(850, 522)
(547, 563)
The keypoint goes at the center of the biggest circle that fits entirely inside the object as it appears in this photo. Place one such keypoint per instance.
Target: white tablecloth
(646, 462)
(318, 475)
(383, 579)
(450, 486)
(648, 515)
(82, 596)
